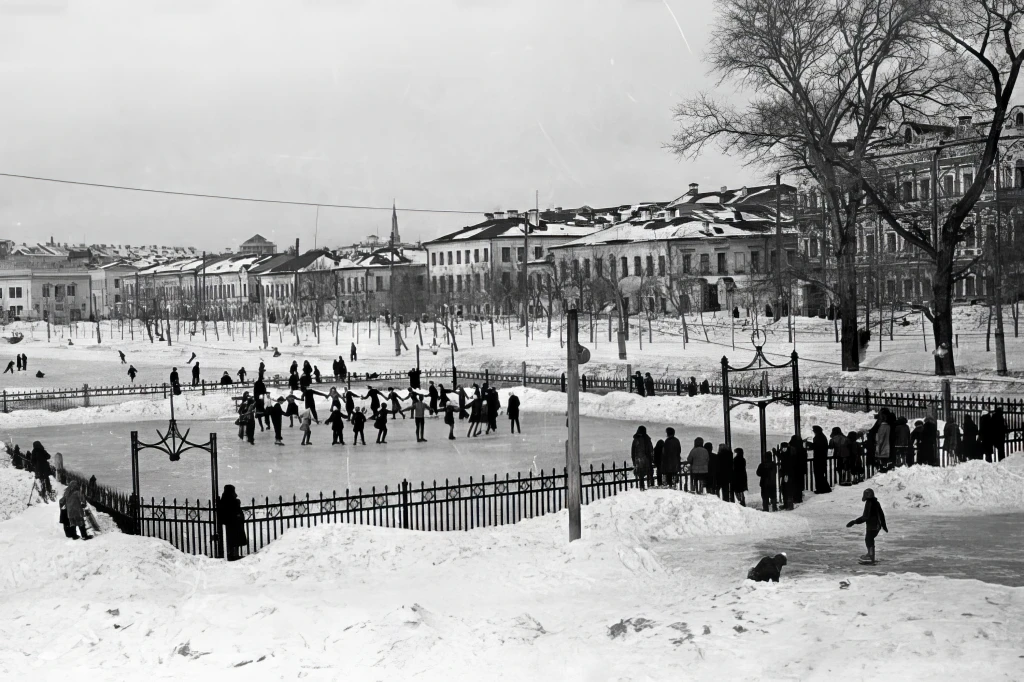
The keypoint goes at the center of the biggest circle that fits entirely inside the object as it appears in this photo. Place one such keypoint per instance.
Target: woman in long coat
(739, 477)
(819, 447)
(642, 454)
(229, 512)
(74, 504)
(970, 438)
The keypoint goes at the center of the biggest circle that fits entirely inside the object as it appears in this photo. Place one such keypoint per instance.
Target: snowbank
(700, 410)
(15, 487)
(975, 485)
(186, 406)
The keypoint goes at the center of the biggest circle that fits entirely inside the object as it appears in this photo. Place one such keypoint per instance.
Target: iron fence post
(85, 395)
(828, 397)
(947, 400)
(5, 401)
(203, 386)
(405, 504)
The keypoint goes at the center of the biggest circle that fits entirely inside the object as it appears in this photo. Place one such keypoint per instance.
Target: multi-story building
(701, 251)
(62, 296)
(365, 285)
(478, 269)
(110, 288)
(279, 276)
(16, 294)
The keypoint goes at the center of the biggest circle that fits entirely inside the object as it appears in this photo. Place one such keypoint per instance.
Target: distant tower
(395, 239)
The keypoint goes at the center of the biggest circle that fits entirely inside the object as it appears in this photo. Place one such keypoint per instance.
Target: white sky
(467, 104)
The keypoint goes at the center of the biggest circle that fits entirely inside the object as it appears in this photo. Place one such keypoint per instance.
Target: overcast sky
(458, 104)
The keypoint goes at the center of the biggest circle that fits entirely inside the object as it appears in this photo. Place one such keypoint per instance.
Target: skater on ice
(874, 519)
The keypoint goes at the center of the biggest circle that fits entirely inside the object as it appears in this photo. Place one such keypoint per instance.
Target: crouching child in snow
(768, 569)
(874, 517)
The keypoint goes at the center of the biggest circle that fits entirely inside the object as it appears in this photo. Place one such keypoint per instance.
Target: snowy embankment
(974, 485)
(701, 410)
(508, 603)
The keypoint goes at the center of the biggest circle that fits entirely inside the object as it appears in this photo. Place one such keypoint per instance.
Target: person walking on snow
(449, 419)
(698, 461)
(132, 372)
(74, 502)
(432, 394)
(195, 374)
(874, 518)
(723, 469)
(41, 467)
(819, 446)
(175, 382)
(352, 353)
(121, 353)
(241, 375)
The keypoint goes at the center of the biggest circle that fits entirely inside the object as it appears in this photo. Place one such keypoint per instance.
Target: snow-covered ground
(511, 603)
(904, 364)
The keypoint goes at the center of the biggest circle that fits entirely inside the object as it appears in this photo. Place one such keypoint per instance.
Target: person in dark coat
(819, 446)
(712, 484)
(291, 410)
(375, 397)
(970, 439)
(123, 360)
(306, 367)
(638, 381)
(649, 384)
(230, 518)
(342, 369)
(250, 422)
(316, 374)
(395, 399)
(671, 459)
(337, 424)
(856, 456)
(513, 413)
(276, 419)
(768, 569)
(358, 426)
(769, 487)
(432, 395)
(449, 418)
(40, 459)
(175, 382)
(698, 460)
(241, 409)
(352, 353)
(74, 506)
(261, 371)
(305, 381)
(241, 375)
(929, 442)
(350, 403)
(997, 434)
(335, 370)
(705, 387)
(903, 450)
(797, 468)
(380, 423)
(691, 388)
(642, 454)
(723, 471)
(659, 451)
(225, 379)
(874, 517)
(951, 442)
(414, 378)
(294, 367)
(679, 386)
(309, 402)
(132, 373)
(493, 406)
(739, 477)
(10, 366)
(195, 374)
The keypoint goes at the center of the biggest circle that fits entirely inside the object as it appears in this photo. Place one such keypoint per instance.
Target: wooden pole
(572, 452)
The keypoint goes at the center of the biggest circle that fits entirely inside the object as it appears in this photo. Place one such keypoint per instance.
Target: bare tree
(828, 76)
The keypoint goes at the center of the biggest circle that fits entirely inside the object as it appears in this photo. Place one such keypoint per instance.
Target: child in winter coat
(305, 425)
(358, 424)
(874, 517)
(337, 426)
(449, 419)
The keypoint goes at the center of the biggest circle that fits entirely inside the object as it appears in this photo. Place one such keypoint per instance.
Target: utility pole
(263, 312)
(778, 246)
(572, 445)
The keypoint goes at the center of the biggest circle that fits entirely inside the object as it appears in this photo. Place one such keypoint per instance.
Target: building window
(433, 258)
(814, 248)
(890, 242)
(117, 283)
(869, 243)
(506, 279)
(625, 266)
(71, 289)
(467, 256)
(967, 181)
(687, 264)
(458, 257)
(908, 190)
(636, 266)
(433, 284)
(506, 254)
(538, 252)
(740, 262)
(599, 265)
(117, 298)
(650, 266)
(476, 281)
(379, 283)
(451, 283)
(925, 189)
(723, 268)
(664, 305)
(485, 255)
(705, 264)
(458, 283)
(949, 183)
(443, 287)
(586, 268)
(476, 255)
(661, 266)
(611, 268)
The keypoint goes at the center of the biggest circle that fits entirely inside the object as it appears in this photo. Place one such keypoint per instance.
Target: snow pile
(700, 410)
(15, 488)
(186, 406)
(972, 485)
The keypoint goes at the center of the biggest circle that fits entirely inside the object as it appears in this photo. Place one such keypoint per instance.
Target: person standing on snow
(970, 439)
(874, 517)
(419, 413)
(723, 470)
(175, 382)
(10, 366)
(241, 375)
(769, 486)
(132, 372)
(41, 467)
(671, 458)
(352, 355)
(229, 516)
(649, 385)
(642, 453)
(195, 374)
(739, 477)
(819, 446)
(74, 504)
(381, 424)
(698, 461)
(513, 412)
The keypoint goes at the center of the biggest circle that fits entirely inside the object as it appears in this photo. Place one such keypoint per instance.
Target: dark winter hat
(780, 559)
(738, 452)
(670, 431)
(698, 442)
(869, 494)
(816, 428)
(280, 399)
(836, 431)
(640, 431)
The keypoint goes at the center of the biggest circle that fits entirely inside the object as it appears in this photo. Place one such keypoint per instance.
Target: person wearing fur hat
(874, 518)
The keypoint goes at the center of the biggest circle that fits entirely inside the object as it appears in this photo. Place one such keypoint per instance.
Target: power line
(229, 197)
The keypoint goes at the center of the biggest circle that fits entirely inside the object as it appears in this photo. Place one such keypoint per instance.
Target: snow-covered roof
(233, 265)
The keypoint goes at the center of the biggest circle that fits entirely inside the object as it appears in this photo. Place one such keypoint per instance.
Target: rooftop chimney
(693, 188)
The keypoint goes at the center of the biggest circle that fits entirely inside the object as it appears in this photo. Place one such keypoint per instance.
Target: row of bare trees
(827, 80)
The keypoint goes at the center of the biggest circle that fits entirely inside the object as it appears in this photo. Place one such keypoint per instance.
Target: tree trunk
(847, 291)
(942, 314)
